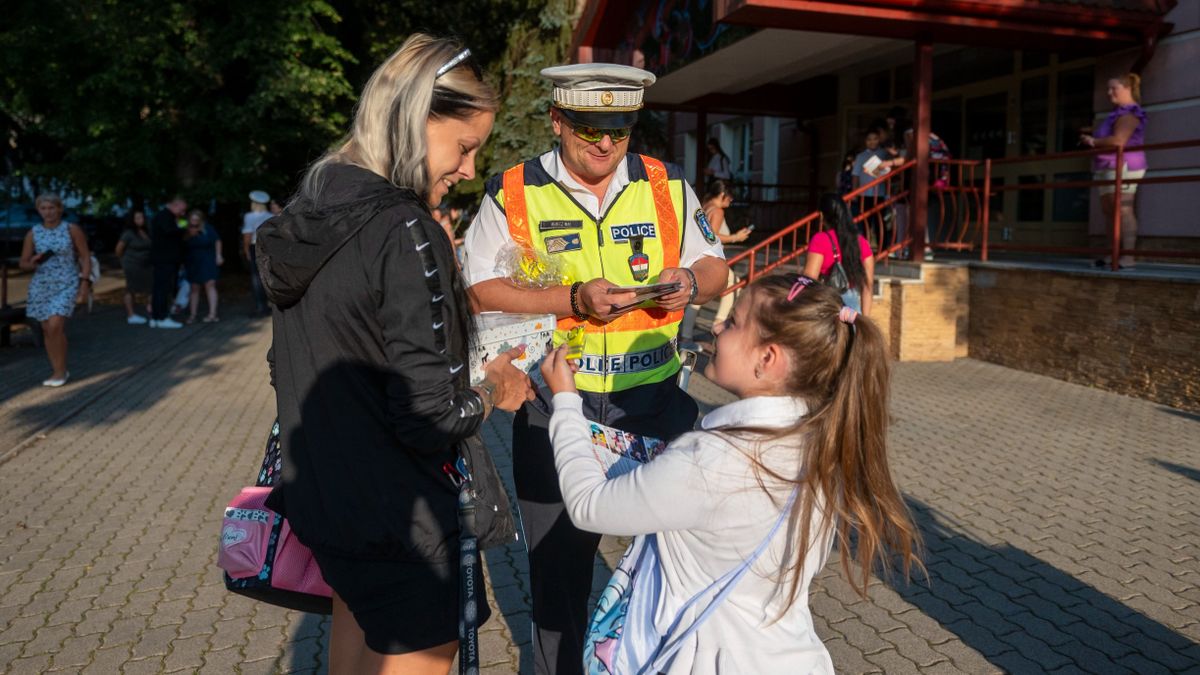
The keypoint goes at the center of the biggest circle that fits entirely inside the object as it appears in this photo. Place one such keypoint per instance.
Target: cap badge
(606, 98)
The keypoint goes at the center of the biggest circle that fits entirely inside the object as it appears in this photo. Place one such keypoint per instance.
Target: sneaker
(57, 381)
(136, 320)
(165, 323)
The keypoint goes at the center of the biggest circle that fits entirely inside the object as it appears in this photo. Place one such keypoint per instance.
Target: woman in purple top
(1125, 125)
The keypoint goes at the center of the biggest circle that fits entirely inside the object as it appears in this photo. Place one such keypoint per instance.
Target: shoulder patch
(705, 228)
(564, 243)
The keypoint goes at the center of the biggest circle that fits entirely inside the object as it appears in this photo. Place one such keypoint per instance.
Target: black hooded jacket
(368, 360)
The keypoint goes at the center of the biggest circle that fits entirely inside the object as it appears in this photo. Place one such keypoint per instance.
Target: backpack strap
(837, 249)
(725, 585)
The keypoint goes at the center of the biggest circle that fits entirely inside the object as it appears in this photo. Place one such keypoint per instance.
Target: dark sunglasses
(595, 135)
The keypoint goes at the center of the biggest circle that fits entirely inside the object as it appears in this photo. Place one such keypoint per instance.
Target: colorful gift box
(498, 332)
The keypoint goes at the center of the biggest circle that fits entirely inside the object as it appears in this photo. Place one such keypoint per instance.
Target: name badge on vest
(639, 262)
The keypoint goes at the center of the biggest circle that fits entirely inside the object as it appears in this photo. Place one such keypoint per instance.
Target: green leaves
(212, 98)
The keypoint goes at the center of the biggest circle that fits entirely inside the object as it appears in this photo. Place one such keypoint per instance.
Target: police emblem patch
(705, 228)
(563, 243)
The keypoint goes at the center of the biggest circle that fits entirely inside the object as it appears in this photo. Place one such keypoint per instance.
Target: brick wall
(925, 319)
(1133, 336)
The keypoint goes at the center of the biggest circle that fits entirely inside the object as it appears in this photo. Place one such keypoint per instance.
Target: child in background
(812, 379)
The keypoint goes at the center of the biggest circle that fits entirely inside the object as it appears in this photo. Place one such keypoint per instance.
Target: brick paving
(1060, 521)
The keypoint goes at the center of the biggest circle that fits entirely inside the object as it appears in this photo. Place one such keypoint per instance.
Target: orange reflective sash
(517, 213)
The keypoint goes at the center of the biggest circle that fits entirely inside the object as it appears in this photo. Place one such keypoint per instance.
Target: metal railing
(779, 248)
(875, 212)
(959, 213)
(1119, 180)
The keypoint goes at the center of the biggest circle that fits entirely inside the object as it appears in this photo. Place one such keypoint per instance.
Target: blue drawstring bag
(622, 638)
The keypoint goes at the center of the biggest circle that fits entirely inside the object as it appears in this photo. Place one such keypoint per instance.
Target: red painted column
(919, 187)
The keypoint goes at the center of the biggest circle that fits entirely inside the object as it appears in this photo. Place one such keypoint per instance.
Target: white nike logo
(410, 223)
(421, 246)
(438, 325)
(455, 370)
(438, 298)
(431, 272)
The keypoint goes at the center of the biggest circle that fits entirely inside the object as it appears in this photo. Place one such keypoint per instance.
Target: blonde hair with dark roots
(404, 92)
(841, 372)
(1134, 82)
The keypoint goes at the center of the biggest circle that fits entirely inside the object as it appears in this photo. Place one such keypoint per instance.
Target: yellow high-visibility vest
(638, 347)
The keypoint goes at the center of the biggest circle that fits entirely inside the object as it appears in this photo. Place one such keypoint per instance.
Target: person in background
(166, 254)
(719, 164)
(258, 214)
(717, 198)
(1125, 125)
(373, 394)
(274, 208)
(203, 258)
(863, 175)
(845, 176)
(134, 251)
(841, 242)
(57, 254)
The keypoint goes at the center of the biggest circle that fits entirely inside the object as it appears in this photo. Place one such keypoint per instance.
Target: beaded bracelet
(579, 313)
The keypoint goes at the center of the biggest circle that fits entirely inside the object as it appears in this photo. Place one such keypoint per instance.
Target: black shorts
(401, 607)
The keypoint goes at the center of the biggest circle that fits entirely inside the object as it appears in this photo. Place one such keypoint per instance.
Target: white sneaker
(136, 320)
(57, 381)
(165, 323)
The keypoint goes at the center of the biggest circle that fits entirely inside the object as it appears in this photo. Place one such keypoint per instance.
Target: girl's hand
(220, 260)
(742, 234)
(558, 372)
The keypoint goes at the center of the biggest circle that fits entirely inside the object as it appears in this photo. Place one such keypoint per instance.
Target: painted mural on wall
(667, 34)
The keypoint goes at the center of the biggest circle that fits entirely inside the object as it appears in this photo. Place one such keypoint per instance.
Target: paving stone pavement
(1060, 522)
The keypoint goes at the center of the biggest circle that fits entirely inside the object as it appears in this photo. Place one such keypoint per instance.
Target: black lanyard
(468, 558)
(468, 609)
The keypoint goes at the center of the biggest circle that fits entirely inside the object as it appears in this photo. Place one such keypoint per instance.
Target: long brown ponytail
(841, 371)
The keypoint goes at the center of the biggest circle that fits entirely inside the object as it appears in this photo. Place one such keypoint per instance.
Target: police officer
(615, 219)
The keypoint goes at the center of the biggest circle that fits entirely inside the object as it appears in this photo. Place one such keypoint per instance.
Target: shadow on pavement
(312, 632)
(1185, 471)
(111, 349)
(1025, 615)
(1195, 417)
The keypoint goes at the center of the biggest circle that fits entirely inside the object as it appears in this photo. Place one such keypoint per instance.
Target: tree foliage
(127, 99)
(523, 125)
(142, 97)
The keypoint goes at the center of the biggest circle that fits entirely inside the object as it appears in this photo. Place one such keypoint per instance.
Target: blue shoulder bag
(622, 638)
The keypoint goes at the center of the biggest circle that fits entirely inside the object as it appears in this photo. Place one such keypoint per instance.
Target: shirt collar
(772, 412)
(553, 164)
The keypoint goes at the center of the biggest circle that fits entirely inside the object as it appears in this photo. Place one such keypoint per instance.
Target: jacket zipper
(603, 330)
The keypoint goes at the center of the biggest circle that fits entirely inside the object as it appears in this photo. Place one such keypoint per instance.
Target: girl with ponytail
(798, 462)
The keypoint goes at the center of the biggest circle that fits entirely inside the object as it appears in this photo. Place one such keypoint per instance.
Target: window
(875, 88)
(1035, 113)
(972, 64)
(1074, 100)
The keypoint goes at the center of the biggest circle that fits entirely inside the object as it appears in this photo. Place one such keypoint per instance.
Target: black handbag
(836, 277)
(494, 524)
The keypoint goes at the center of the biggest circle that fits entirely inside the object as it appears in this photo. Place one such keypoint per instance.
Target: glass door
(986, 126)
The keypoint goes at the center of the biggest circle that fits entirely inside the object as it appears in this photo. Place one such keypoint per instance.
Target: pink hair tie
(802, 282)
(847, 315)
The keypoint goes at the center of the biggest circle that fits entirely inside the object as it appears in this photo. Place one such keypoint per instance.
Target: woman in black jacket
(369, 355)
